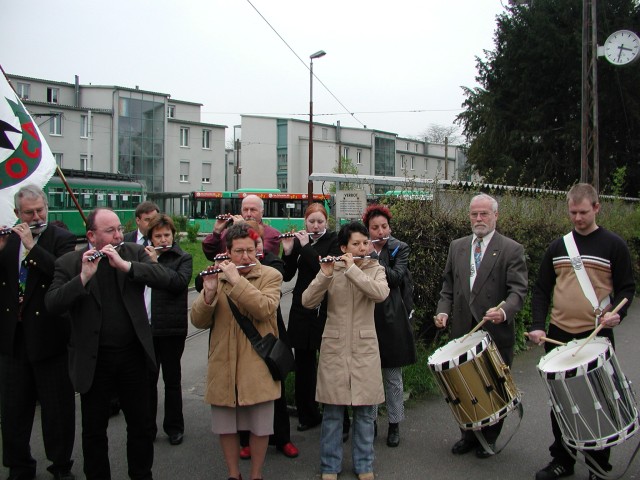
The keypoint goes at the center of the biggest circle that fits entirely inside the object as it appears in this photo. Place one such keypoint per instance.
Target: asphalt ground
(427, 434)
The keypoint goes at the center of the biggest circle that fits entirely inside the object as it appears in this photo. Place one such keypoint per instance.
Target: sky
(392, 66)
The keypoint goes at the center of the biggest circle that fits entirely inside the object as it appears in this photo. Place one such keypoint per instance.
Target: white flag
(25, 157)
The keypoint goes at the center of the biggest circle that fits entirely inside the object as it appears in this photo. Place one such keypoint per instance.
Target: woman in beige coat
(349, 368)
(240, 388)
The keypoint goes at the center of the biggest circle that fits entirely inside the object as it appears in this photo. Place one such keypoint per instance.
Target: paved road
(426, 435)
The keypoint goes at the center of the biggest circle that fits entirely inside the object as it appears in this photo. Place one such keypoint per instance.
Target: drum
(590, 396)
(474, 380)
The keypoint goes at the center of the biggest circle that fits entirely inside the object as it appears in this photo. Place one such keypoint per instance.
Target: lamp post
(318, 54)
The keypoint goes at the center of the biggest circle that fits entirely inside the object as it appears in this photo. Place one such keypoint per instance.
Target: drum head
(459, 351)
(562, 359)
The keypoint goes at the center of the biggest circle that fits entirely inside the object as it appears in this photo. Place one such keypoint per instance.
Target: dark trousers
(125, 372)
(21, 384)
(558, 449)
(281, 427)
(305, 385)
(169, 351)
(492, 432)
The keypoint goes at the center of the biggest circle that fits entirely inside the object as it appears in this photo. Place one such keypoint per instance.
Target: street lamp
(318, 54)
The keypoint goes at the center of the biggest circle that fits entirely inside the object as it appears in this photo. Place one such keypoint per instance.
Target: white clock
(622, 47)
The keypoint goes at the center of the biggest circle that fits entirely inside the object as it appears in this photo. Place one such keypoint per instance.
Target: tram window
(86, 199)
(112, 200)
(56, 198)
(136, 199)
(101, 199)
(126, 200)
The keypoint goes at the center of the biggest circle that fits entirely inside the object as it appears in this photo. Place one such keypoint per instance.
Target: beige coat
(349, 370)
(233, 364)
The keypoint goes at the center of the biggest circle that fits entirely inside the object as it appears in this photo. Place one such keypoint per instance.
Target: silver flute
(213, 271)
(340, 259)
(97, 255)
(7, 231)
(380, 239)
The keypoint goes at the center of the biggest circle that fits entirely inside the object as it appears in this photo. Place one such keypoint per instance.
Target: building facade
(274, 153)
(159, 141)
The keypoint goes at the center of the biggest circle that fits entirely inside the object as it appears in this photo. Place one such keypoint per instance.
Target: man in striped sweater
(607, 261)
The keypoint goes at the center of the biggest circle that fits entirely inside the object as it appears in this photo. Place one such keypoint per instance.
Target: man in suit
(111, 341)
(33, 342)
(482, 270)
(144, 213)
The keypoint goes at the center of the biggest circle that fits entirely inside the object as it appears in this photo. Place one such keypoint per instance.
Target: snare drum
(475, 381)
(590, 396)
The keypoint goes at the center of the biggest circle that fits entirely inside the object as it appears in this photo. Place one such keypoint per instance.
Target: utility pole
(589, 151)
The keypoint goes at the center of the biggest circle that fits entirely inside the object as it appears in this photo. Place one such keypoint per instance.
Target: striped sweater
(605, 257)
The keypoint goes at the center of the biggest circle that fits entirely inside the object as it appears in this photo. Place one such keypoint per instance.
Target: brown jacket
(233, 364)
(349, 371)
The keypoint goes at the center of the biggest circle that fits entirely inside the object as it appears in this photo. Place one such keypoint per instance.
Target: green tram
(92, 189)
(283, 211)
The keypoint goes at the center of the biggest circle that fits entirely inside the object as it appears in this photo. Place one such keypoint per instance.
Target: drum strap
(483, 441)
(583, 277)
(595, 468)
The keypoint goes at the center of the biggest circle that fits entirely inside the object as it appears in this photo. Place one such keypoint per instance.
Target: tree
(523, 123)
(436, 133)
(346, 166)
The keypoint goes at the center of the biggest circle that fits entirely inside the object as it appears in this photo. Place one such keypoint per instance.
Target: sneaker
(245, 453)
(554, 470)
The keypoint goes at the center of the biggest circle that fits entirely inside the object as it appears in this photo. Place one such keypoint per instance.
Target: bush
(180, 222)
(192, 232)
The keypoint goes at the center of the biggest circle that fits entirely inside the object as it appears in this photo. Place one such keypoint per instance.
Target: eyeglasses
(241, 251)
(112, 230)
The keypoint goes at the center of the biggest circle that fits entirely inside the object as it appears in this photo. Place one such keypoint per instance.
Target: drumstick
(546, 339)
(622, 303)
(477, 327)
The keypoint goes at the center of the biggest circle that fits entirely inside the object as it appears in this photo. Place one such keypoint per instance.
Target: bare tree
(437, 133)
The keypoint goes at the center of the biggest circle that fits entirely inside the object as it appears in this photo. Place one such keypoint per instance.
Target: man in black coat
(144, 214)
(33, 342)
(111, 342)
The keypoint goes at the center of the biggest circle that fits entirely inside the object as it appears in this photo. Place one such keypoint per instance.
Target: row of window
(86, 163)
(185, 135)
(345, 154)
(24, 92)
(184, 172)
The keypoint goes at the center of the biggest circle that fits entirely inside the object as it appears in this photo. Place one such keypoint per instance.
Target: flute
(340, 259)
(204, 273)
(293, 234)
(225, 256)
(379, 239)
(7, 231)
(224, 216)
(97, 255)
(163, 247)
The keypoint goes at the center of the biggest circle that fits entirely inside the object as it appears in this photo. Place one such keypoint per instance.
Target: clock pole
(589, 139)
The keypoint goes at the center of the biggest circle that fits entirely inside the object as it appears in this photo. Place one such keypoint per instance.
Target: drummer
(483, 269)
(606, 259)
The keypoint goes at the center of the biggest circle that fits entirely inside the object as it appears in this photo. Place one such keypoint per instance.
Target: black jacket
(395, 332)
(169, 306)
(305, 325)
(46, 334)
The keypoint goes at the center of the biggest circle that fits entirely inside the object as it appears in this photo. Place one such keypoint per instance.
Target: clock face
(622, 47)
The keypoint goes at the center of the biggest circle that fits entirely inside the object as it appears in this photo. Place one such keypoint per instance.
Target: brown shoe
(366, 476)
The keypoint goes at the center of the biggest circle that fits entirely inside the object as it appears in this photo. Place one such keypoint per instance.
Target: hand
(370, 248)
(327, 267)
(536, 336)
(287, 245)
(348, 260)
(441, 320)
(88, 268)
(115, 260)
(610, 320)
(303, 237)
(231, 272)
(494, 315)
(152, 252)
(24, 232)
(3, 239)
(210, 287)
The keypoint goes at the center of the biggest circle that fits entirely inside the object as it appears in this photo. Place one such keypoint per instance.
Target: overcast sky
(405, 60)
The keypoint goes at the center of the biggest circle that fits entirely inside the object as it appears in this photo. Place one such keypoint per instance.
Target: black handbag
(275, 353)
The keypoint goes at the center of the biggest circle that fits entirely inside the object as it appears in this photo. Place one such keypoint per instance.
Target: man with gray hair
(483, 269)
(33, 342)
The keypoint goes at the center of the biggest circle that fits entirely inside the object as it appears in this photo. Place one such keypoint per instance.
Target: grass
(200, 262)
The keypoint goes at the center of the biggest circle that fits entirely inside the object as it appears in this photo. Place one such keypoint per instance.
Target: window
(206, 139)
(84, 126)
(345, 152)
(52, 94)
(86, 165)
(184, 137)
(407, 146)
(412, 165)
(23, 90)
(184, 172)
(206, 173)
(325, 133)
(58, 158)
(416, 148)
(171, 111)
(358, 157)
(403, 163)
(55, 124)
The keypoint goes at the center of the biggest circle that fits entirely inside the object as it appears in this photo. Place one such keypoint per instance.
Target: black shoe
(303, 427)
(393, 435)
(463, 446)
(64, 476)
(482, 453)
(176, 438)
(554, 470)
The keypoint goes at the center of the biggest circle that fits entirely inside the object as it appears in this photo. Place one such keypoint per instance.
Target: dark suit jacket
(131, 236)
(502, 275)
(84, 305)
(46, 335)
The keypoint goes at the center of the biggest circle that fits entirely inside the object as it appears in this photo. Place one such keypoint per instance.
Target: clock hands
(620, 50)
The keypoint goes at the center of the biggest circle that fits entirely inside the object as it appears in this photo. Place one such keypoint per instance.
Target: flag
(25, 157)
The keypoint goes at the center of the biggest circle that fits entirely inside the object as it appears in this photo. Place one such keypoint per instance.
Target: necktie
(477, 253)
(145, 241)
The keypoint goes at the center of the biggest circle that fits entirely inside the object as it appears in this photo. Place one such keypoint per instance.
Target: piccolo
(7, 231)
(213, 271)
(97, 255)
(340, 259)
(225, 256)
(379, 239)
(224, 216)
(163, 247)
(293, 234)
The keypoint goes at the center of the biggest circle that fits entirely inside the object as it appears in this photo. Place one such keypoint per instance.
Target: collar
(485, 240)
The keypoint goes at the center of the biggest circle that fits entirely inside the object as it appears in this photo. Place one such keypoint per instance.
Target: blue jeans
(331, 439)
